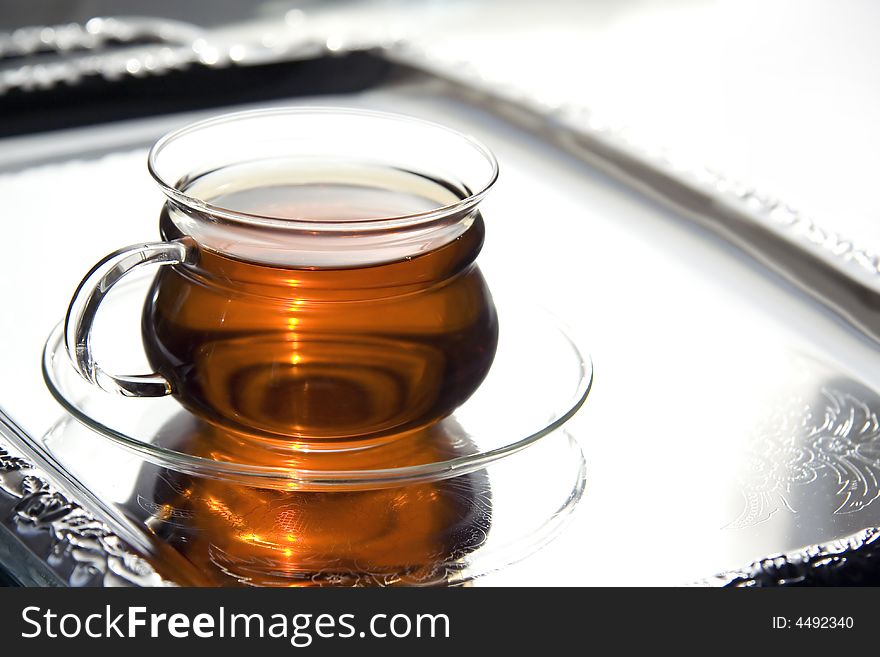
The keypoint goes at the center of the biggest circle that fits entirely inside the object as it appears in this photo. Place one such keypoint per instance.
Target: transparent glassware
(538, 380)
(483, 488)
(328, 324)
(252, 450)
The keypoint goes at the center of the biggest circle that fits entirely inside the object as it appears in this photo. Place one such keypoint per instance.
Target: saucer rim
(308, 479)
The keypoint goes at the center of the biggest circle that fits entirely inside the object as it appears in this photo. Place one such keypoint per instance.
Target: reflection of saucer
(537, 382)
(441, 532)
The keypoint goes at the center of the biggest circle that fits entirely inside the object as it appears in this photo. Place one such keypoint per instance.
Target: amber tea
(327, 353)
(318, 286)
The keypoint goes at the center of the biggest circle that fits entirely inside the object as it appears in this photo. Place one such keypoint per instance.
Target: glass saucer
(538, 380)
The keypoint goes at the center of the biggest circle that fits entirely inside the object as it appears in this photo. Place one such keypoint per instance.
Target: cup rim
(391, 222)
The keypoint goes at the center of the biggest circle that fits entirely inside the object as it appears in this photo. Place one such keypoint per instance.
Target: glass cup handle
(84, 307)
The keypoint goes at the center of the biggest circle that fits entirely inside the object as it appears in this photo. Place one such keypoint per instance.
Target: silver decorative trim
(179, 46)
(94, 35)
(852, 560)
(81, 550)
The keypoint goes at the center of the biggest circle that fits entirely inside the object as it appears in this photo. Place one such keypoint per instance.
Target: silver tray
(733, 415)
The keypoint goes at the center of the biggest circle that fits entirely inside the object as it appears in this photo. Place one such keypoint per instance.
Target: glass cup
(319, 287)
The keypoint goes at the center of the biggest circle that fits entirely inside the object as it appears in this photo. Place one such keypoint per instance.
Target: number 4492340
(823, 622)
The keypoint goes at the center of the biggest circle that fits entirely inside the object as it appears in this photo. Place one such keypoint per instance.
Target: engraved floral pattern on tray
(804, 442)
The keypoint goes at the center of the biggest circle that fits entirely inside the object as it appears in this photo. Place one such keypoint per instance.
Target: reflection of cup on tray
(322, 289)
(410, 534)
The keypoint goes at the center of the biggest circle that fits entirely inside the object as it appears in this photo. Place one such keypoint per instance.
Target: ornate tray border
(850, 561)
(68, 545)
(56, 541)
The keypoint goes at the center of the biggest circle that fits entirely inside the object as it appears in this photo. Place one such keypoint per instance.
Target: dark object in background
(96, 100)
(6, 579)
(850, 561)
